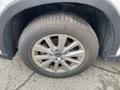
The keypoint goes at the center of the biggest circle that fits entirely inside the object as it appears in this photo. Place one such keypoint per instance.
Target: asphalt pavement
(15, 75)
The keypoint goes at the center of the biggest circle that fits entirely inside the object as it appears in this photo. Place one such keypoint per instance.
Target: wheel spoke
(72, 60)
(45, 64)
(65, 66)
(61, 41)
(71, 46)
(75, 53)
(56, 65)
(50, 43)
(40, 57)
(42, 49)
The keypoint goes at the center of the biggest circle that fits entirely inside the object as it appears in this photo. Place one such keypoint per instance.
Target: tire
(59, 24)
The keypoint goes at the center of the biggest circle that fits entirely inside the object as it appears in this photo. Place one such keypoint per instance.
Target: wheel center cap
(58, 55)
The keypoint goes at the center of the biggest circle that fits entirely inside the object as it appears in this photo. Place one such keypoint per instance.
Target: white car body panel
(116, 4)
(5, 3)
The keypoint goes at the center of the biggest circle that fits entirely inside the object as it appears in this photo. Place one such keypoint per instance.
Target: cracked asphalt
(15, 75)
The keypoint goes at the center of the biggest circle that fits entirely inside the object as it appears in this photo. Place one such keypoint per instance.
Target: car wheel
(58, 45)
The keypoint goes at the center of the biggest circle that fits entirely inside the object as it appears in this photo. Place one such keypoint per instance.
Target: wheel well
(96, 18)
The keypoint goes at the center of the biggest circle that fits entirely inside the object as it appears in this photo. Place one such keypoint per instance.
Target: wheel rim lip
(61, 70)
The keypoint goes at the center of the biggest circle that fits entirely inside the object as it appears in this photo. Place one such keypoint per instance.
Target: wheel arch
(22, 5)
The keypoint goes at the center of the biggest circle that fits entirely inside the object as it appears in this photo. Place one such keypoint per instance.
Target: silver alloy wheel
(58, 53)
